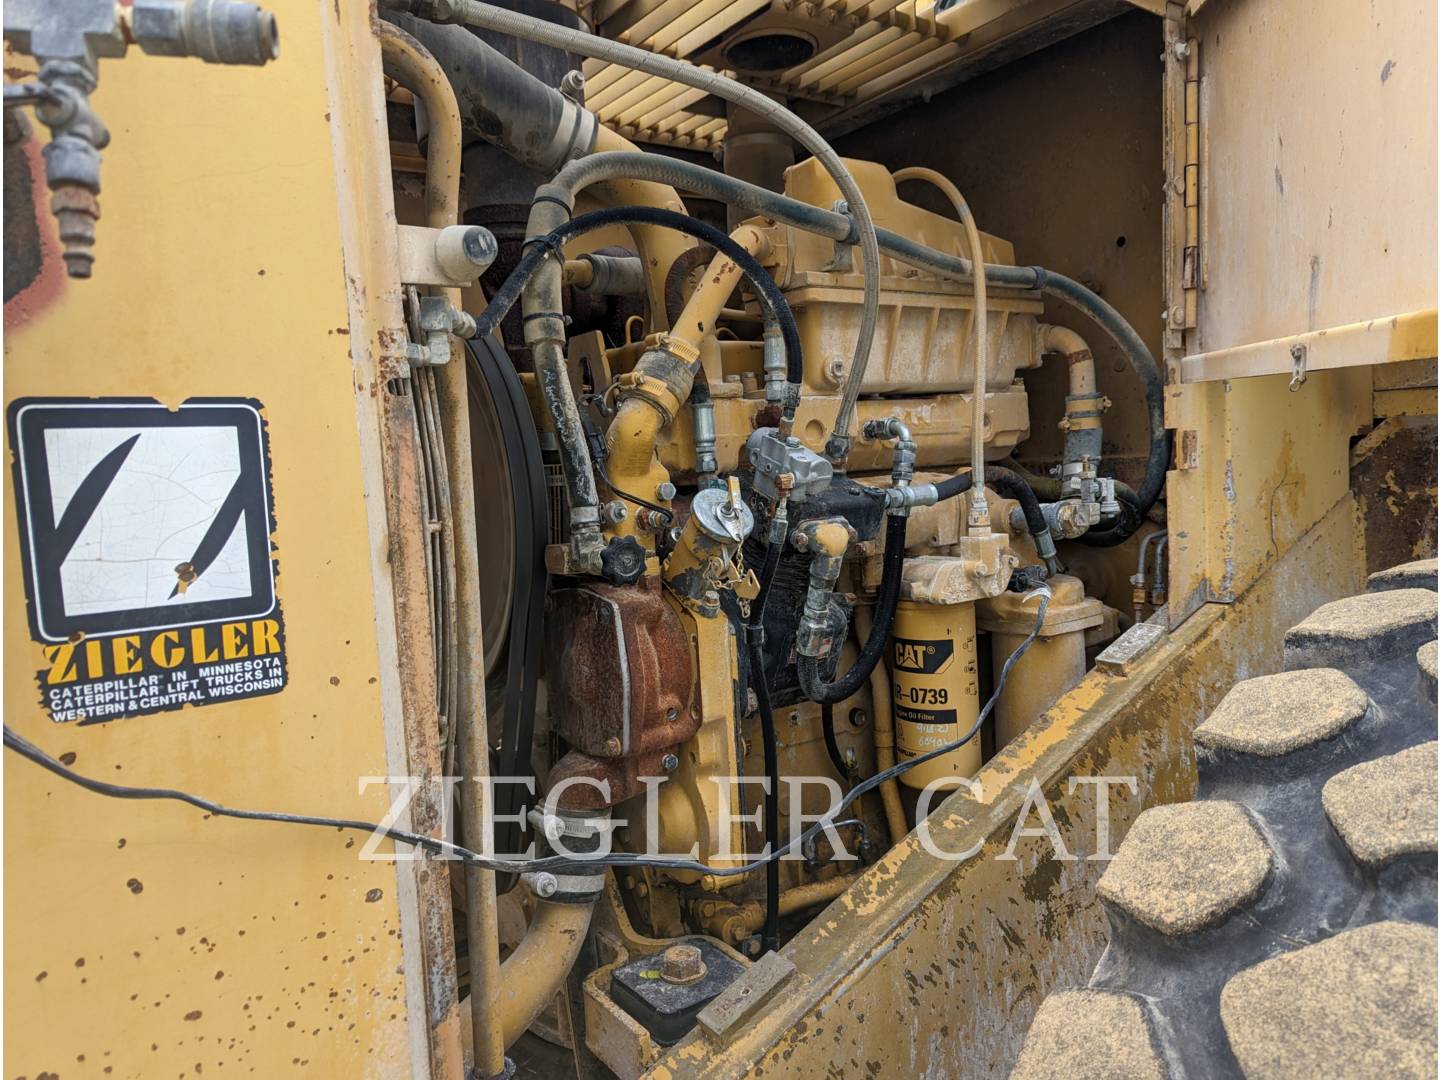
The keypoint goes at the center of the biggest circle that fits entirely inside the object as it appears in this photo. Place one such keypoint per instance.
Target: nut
(670, 763)
(681, 965)
(544, 885)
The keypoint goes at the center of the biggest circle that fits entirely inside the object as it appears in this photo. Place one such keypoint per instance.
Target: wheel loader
(717, 538)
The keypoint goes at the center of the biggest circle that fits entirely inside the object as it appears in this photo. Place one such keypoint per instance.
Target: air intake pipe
(502, 103)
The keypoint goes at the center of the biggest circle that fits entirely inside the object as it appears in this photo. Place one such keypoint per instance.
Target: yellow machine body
(259, 254)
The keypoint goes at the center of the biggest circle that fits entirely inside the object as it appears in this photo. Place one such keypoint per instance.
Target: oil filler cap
(665, 991)
(623, 561)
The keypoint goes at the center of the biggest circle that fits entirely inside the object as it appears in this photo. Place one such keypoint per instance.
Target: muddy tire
(1283, 923)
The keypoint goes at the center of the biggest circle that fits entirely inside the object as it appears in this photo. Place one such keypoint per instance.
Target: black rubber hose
(1014, 486)
(812, 683)
(754, 634)
(1112, 535)
(538, 248)
(832, 745)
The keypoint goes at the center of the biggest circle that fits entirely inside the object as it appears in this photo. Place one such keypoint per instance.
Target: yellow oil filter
(937, 695)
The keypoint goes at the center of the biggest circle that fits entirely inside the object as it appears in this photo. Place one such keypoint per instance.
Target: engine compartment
(749, 609)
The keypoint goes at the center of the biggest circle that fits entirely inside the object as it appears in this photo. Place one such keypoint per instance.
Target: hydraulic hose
(812, 683)
(1116, 533)
(537, 250)
(754, 635)
(554, 382)
(700, 180)
(484, 16)
(832, 744)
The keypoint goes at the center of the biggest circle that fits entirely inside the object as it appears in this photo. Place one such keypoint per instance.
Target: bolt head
(681, 964)
(544, 885)
(666, 491)
(670, 763)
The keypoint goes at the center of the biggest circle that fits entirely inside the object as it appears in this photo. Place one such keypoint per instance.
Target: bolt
(614, 512)
(572, 85)
(544, 885)
(801, 540)
(613, 747)
(681, 965)
(666, 491)
(1181, 49)
(858, 717)
(670, 763)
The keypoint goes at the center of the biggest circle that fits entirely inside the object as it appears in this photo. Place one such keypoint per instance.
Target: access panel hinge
(1184, 142)
(1190, 272)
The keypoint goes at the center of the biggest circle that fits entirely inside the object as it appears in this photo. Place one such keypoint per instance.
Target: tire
(1283, 923)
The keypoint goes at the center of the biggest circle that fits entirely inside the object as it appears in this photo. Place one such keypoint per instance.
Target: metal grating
(866, 51)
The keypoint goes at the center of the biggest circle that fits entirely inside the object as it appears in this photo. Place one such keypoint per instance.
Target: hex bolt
(670, 763)
(682, 965)
(572, 85)
(666, 491)
(544, 885)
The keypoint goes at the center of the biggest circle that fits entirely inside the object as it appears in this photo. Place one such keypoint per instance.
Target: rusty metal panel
(931, 967)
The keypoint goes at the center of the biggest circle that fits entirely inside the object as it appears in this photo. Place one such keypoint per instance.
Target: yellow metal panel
(1395, 340)
(142, 938)
(1321, 172)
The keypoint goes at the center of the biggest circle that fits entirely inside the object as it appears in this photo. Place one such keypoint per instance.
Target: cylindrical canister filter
(937, 695)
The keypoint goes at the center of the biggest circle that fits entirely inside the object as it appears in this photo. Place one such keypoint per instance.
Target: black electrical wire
(26, 749)
(537, 249)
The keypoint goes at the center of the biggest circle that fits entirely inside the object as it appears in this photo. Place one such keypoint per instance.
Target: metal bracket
(843, 259)
(1298, 356)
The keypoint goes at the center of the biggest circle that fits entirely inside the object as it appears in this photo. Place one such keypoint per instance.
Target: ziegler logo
(923, 657)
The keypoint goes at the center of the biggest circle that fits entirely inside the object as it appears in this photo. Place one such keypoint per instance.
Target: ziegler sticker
(145, 534)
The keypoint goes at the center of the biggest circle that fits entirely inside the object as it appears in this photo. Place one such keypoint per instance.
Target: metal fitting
(773, 352)
(69, 39)
(669, 763)
(665, 491)
(830, 537)
(703, 421)
(1071, 517)
(216, 31)
(1045, 548)
(900, 500)
(438, 320)
(614, 512)
(543, 884)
